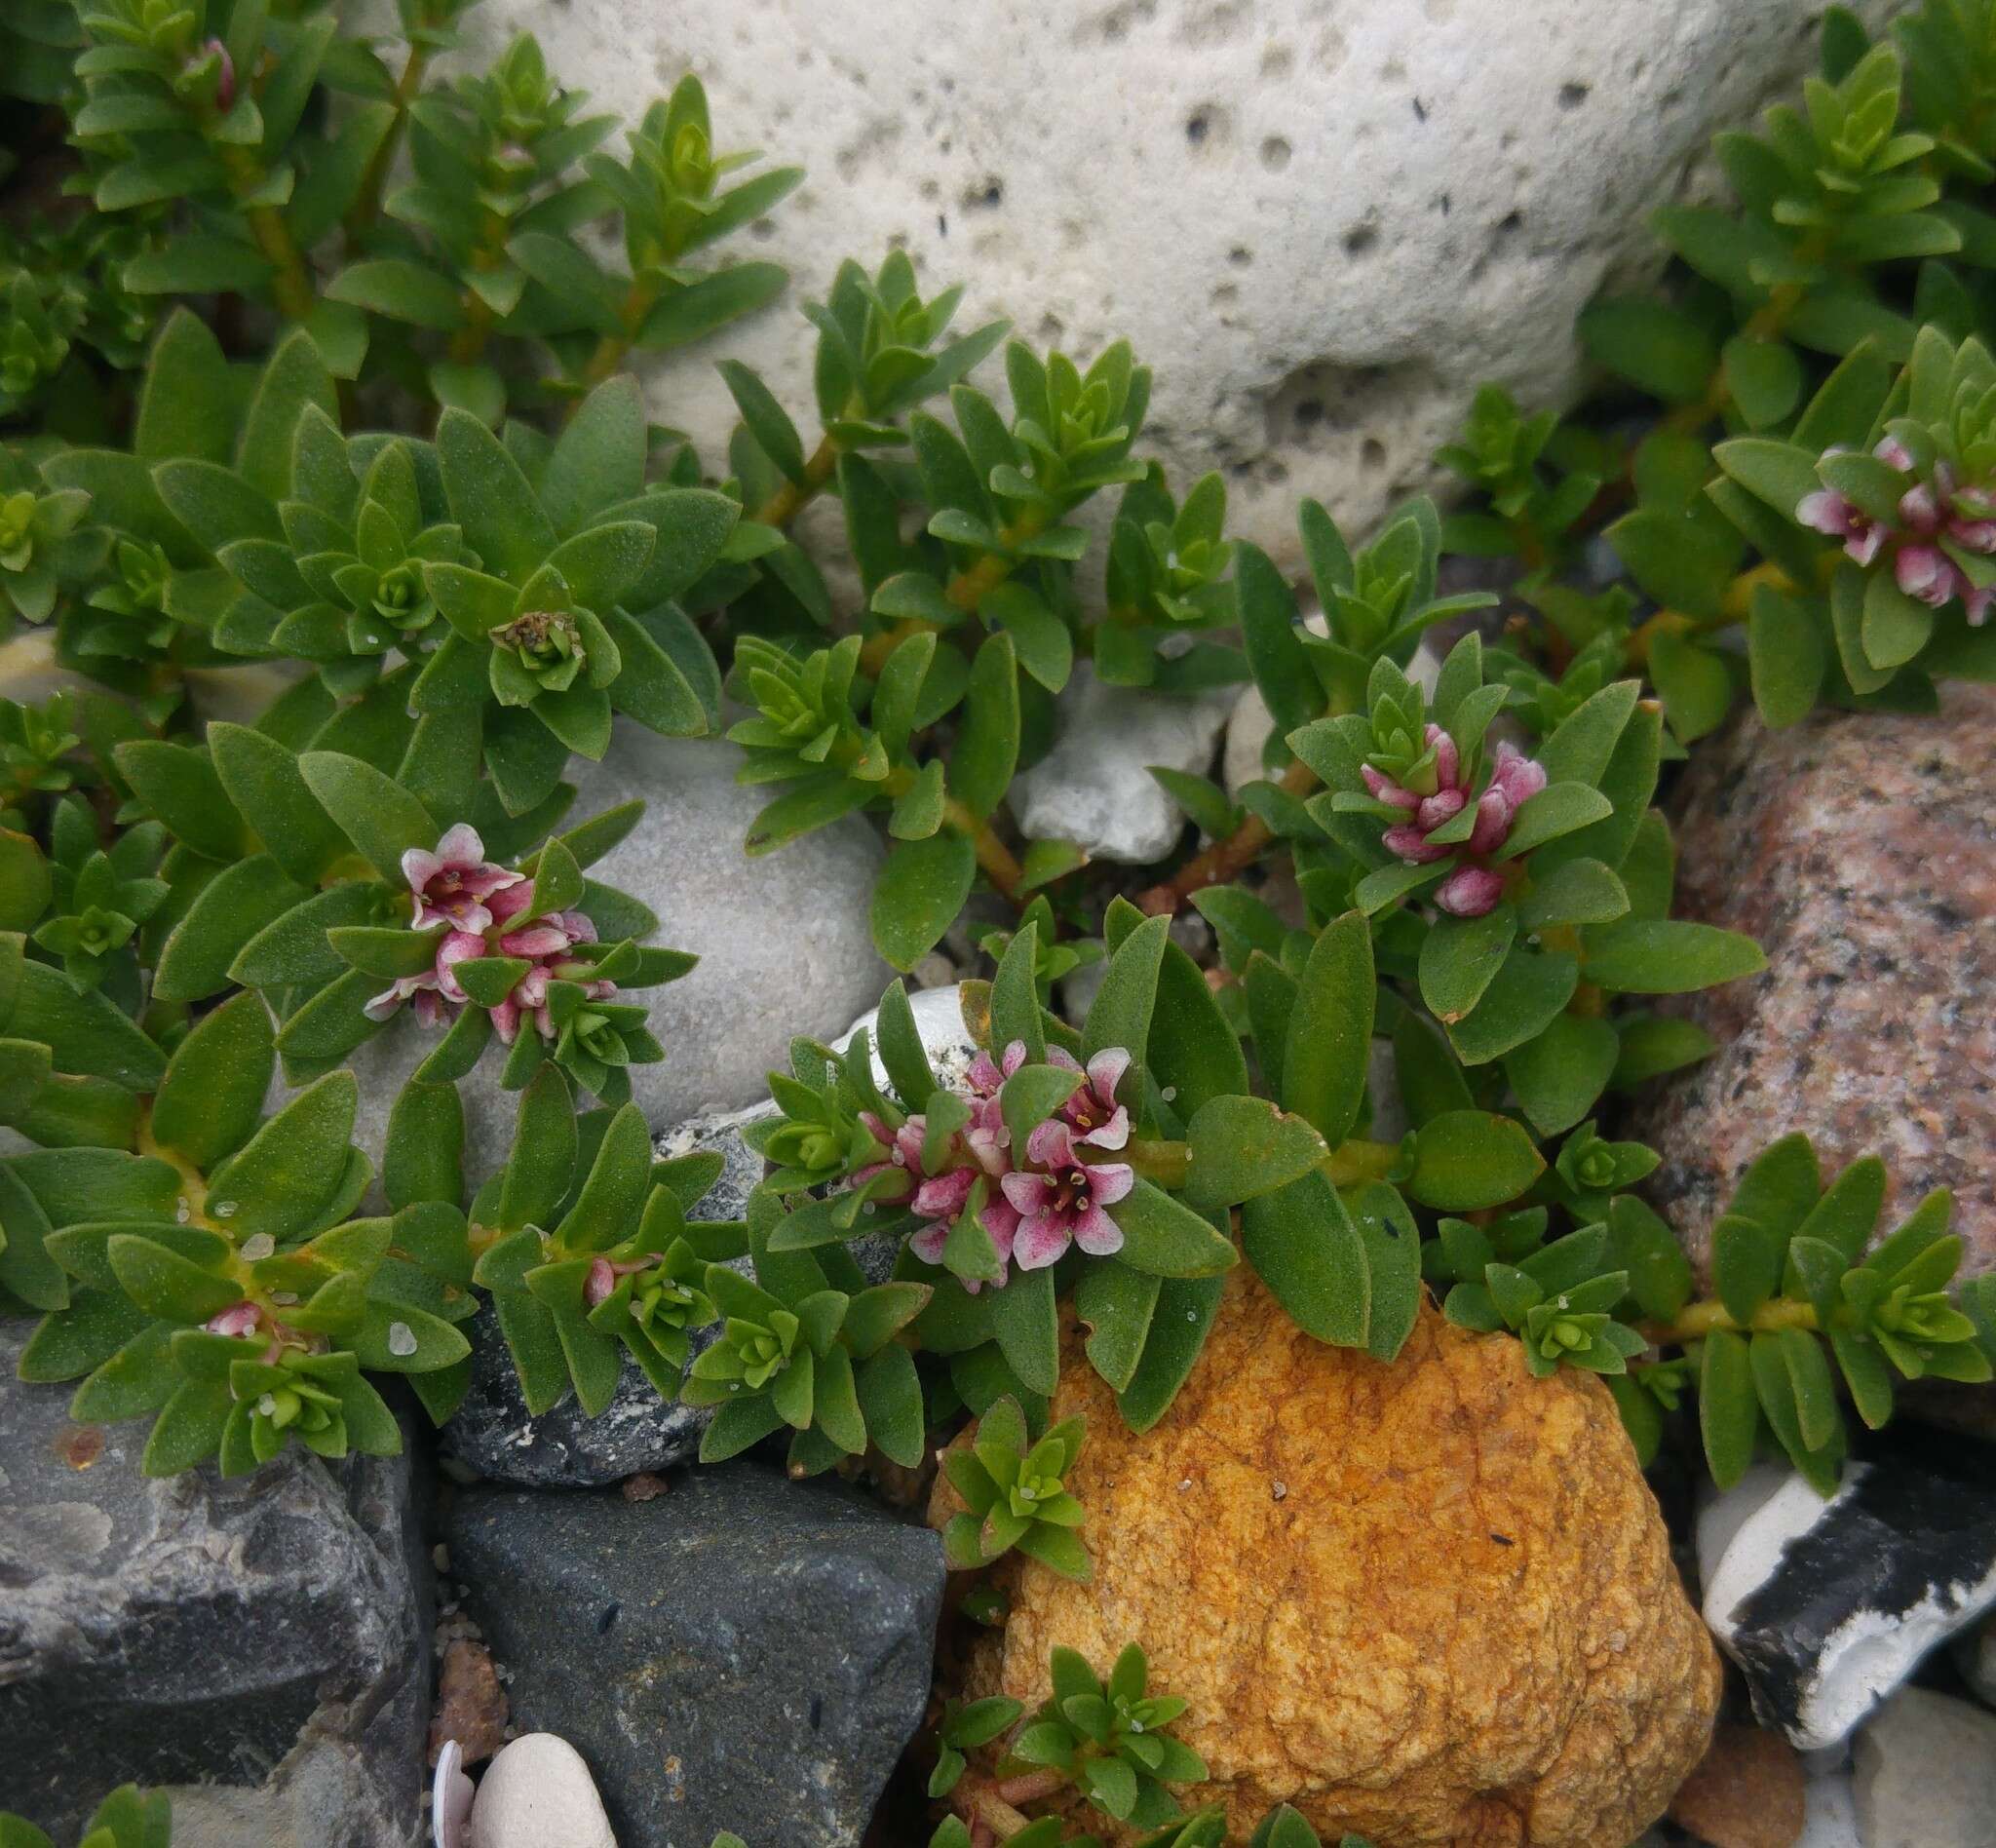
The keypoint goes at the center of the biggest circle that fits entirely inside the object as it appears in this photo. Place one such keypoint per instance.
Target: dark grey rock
(1829, 1607)
(260, 1646)
(494, 1434)
(743, 1652)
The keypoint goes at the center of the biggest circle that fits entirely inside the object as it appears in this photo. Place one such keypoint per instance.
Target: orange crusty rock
(1432, 1602)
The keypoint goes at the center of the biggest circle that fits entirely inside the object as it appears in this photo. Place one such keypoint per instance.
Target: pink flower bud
(1520, 777)
(600, 1283)
(1444, 805)
(1825, 511)
(1493, 821)
(1382, 788)
(1925, 572)
(1894, 453)
(1470, 892)
(1411, 845)
(457, 947)
(225, 83)
(1446, 762)
(1919, 507)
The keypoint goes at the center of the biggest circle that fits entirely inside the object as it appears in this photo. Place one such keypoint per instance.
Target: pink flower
(1973, 535)
(1925, 572)
(987, 1075)
(545, 942)
(453, 884)
(421, 989)
(1977, 600)
(987, 1137)
(1828, 512)
(998, 1219)
(1092, 1113)
(1064, 1203)
(451, 1799)
(903, 1146)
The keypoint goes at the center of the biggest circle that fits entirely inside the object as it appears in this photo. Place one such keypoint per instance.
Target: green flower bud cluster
(99, 898)
(45, 547)
(1111, 1739)
(1016, 1494)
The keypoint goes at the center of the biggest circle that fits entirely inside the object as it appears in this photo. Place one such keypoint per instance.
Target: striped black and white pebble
(1829, 1607)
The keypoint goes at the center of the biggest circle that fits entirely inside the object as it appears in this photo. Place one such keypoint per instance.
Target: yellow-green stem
(1349, 1164)
(639, 301)
(792, 497)
(1697, 1320)
(367, 202)
(1352, 1164)
(965, 591)
(992, 855)
(999, 864)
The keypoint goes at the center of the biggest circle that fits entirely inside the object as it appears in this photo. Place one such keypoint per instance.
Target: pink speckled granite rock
(1861, 851)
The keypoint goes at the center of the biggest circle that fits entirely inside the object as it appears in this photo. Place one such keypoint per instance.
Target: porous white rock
(1926, 1774)
(1324, 225)
(538, 1793)
(1094, 787)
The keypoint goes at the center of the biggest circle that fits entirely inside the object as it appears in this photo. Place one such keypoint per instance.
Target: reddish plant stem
(1030, 1785)
(1225, 858)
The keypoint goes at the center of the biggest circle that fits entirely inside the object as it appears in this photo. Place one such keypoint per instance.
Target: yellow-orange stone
(1431, 1601)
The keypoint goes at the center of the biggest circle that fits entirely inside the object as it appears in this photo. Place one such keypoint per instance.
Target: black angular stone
(743, 1652)
(492, 1434)
(1827, 1607)
(261, 1646)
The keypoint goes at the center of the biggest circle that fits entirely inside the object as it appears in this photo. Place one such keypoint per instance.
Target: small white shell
(450, 1800)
